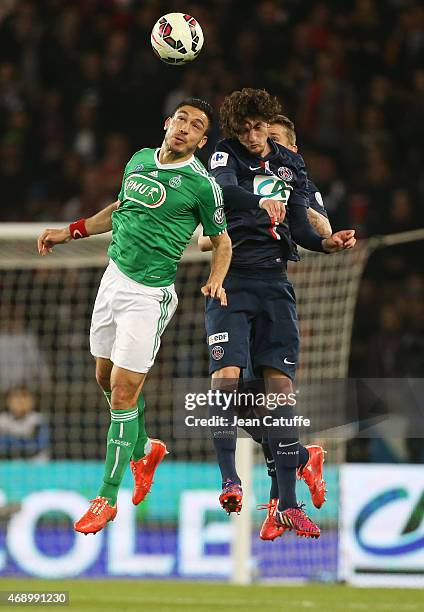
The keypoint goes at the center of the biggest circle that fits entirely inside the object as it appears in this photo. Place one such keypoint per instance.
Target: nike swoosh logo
(289, 362)
(253, 169)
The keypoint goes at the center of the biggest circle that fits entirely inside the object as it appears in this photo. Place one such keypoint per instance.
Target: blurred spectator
(73, 74)
(24, 433)
(21, 361)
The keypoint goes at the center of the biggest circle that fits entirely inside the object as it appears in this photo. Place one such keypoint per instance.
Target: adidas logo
(286, 520)
(154, 173)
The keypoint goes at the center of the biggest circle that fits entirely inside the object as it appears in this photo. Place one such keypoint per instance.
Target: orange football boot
(143, 470)
(311, 473)
(270, 530)
(96, 517)
(296, 519)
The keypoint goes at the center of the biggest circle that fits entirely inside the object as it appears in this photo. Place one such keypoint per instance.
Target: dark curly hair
(240, 105)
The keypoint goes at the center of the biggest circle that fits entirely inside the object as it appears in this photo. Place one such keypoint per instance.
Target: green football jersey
(160, 207)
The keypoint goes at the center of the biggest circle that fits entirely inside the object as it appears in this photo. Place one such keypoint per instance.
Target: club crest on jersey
(285, 173)
(175, 182)
(220, 158)
(219, 216)
(217, 353)
(144, 190)
(138, 168)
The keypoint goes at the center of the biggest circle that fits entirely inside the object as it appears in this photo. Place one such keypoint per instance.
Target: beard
(179, 148)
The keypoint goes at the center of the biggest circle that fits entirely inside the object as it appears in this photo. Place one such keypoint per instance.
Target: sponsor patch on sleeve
(219, 216)
(215, 338)
(219, 158)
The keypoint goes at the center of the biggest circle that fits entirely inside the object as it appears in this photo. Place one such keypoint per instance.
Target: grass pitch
(167, 596)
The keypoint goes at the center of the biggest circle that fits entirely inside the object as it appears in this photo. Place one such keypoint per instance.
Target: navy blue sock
(303, 456)
(225, 449)
(283, 442)
(287, 485)
(270, 464)
(224, 441)
(273, 491)
(255, 432)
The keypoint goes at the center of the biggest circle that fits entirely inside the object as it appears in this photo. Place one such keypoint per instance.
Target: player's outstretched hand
(50, 237)
(215, 290)
(275, 209)
(339, 241)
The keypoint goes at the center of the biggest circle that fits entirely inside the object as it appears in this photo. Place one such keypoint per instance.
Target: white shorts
(128, 320)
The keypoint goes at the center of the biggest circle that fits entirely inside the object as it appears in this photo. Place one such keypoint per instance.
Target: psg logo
(217, 352)
(285, 173)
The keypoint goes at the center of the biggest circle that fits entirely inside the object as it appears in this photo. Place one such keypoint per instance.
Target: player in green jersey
(165, 194)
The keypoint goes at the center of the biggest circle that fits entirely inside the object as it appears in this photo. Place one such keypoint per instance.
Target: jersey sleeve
(299, 195)
(302, 231)
(211, 208)
(223, 167)
(315, 200)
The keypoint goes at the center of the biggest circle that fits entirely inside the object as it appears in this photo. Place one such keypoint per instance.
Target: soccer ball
(177, 38)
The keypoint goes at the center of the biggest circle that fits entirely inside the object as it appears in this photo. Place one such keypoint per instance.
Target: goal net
(179, 530)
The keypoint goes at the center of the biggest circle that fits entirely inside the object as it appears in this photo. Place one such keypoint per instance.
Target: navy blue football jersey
(315, 200)
(245, 180)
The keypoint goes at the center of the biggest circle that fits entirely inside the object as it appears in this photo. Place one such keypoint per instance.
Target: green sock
(121, 438)
(141, 447)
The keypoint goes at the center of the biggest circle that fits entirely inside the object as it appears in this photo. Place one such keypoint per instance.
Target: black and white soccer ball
(177, 38)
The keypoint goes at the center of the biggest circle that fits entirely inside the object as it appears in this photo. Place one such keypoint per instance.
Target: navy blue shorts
(259, 324)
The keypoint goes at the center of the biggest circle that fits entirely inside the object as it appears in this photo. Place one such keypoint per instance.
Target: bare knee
(126, 387)
(225, 377)
(124, 396)
(227, 372)
(277, 382)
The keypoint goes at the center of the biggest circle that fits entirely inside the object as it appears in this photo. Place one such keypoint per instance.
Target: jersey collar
(275, 150)
(187, 162)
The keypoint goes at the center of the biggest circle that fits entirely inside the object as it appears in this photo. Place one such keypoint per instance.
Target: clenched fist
(339, 241)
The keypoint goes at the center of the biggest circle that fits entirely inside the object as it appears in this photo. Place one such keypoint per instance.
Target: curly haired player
(265, 197)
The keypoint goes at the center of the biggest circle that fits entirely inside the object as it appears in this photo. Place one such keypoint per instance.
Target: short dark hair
(240, 105)
(288, 124)
(202, 105)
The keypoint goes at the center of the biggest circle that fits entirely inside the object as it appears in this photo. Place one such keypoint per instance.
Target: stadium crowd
(80, 90)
